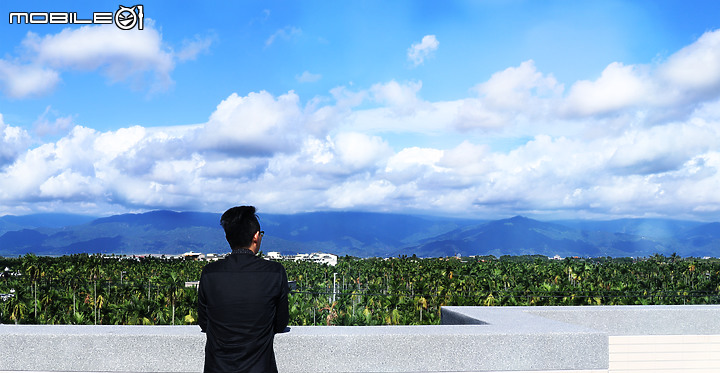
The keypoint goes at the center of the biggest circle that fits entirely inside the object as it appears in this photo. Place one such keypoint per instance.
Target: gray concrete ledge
(303, 349)
(613, 320)
(87, 348)
(496, 339)
(439, 348)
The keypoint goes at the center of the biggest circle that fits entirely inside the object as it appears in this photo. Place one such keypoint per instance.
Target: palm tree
(174, 290)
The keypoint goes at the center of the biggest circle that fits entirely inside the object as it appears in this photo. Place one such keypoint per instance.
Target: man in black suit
(242, 300)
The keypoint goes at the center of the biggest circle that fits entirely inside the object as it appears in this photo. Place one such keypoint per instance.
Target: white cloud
(696, 183)
(514, 96)
(618, 87)
(70, 185)
(474, 114)
(414, 157)
(598, 150)
(467, 158)
(359, 151)
(121, 55)
(191, 48)
(22, 179)
(46, 125)
(427, 119)
(361, 193)
(347, 98)
(662, 148)
(671, 89)
(255, 124)
(139, 57)
(285, 33)
(308, 77)
(13, 141)
(114, 143)
(158, 168)
(165, 171)
(318, 151)
(21, 81)
(418, 52)
(401, 98)
(516, 87)
(697, 66)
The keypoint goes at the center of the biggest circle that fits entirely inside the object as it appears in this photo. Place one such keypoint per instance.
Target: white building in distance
(322, 258)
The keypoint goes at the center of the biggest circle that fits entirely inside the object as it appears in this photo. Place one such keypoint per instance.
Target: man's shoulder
(232, 262)
(271, 265)
(214, 264)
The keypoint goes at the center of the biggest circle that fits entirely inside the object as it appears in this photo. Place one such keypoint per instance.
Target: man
(242, 300)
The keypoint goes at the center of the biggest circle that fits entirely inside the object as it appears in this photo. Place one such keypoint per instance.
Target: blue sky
(550, 109)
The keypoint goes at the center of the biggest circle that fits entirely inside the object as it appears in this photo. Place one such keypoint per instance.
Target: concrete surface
(471, 339)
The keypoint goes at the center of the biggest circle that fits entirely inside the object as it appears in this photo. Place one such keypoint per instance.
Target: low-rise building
(322, 258)
(193, 255)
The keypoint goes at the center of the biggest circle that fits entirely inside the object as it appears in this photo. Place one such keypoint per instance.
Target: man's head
(242, 229)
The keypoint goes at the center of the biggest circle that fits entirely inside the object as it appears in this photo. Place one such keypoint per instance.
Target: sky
(482, 109)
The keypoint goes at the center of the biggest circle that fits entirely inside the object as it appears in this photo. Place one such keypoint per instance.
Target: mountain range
(357, 234)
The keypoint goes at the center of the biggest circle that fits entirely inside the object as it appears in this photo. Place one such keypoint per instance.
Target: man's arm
(282, 313)
(202, 307)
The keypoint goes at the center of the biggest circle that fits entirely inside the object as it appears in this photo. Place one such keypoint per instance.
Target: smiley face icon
(127, 17)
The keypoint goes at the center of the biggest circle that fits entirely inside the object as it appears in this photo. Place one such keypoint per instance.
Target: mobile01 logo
(125, 18)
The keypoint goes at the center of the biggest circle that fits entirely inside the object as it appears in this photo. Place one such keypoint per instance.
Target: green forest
(102, 290)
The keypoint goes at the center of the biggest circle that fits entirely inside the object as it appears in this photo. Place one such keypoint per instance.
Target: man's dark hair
(240, 224)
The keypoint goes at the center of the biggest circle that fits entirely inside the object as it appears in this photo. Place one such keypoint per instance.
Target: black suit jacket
(242, 303)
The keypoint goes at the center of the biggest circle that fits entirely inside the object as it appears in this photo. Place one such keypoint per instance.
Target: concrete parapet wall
(87, 348)
(303, 349)
(456, 348)
(488, 339)
(613, 320)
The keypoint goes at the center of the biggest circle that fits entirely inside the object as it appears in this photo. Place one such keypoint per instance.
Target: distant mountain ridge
(357, 234)
(523, 236)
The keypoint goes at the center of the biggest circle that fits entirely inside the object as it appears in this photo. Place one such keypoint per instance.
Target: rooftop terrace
(589, 339)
